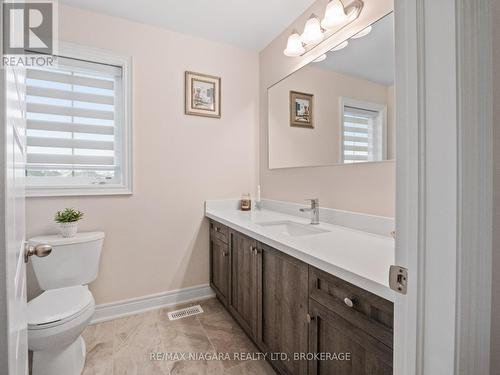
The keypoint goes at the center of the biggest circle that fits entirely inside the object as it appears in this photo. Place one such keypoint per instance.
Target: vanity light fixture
(340, 46)
(353, 10)
(313, 34)
(336, 14)
(336, 17)
(294, 45)
(362, 33)
(320, 58)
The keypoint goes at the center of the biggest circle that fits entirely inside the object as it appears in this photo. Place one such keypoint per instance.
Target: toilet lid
(58, 304)
(58, 240)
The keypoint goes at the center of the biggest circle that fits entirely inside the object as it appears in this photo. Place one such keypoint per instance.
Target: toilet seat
(58, 306)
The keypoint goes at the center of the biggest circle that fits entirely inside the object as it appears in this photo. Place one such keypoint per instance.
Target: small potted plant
(68, 221)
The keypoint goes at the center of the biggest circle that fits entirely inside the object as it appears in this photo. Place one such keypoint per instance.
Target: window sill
(74, 192)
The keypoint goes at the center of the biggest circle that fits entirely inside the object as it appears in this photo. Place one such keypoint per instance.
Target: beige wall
(292, 146)
(157, 239)
(495, 314)
(367, 187)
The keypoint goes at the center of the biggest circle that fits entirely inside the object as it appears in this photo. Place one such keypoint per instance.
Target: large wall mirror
(339, 109)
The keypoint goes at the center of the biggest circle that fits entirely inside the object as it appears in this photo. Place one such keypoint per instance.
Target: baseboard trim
(120, 309)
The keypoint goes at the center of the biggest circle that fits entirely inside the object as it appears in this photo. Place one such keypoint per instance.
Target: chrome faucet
(314, 209)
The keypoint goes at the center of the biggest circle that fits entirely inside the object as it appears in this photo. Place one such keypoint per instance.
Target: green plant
(68, 215)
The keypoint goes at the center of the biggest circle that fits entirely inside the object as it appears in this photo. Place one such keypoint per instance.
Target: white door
(14, 356)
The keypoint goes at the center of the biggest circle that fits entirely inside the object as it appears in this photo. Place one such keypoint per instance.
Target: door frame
(4, 329)
(444, 186)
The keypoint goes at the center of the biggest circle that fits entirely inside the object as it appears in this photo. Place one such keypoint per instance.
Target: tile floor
(124, 346)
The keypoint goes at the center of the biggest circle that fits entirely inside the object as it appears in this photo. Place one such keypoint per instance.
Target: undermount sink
(293, 229)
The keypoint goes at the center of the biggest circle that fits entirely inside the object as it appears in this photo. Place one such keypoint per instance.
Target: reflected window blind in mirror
(362, 135)
(73, 124)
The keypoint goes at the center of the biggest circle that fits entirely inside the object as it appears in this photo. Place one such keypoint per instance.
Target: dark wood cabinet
(352, 351)
(219, 268)
(243, 295)
(371, 313)
(282, 301)
(287, 306)
(219, 232)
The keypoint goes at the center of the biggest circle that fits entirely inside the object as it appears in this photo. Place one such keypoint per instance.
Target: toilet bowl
(57, 317)
(56, 320)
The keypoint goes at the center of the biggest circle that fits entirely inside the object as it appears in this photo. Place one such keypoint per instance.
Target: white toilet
(57, 318)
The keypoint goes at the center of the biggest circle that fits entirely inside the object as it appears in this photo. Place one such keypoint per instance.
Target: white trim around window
(381, 119)
(124, 151)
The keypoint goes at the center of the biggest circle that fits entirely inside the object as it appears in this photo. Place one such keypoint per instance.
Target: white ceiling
(370, 57)
(243, 23)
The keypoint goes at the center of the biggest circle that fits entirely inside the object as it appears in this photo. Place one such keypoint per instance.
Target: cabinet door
(219, 268)
(282, 308)
(331, 334)
(242, 301)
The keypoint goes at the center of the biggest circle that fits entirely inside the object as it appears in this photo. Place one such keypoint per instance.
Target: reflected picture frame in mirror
(301, 110)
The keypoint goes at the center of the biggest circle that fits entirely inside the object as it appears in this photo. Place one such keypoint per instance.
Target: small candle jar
(245, 202)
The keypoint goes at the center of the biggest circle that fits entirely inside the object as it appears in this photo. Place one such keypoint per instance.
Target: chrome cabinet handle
(349, 302)
(254, 251)
(40, 250)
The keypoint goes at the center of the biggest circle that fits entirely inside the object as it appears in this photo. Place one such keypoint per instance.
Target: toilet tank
(73, 261)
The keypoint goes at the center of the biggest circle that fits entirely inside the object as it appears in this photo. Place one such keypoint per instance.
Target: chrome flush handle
(40, 250)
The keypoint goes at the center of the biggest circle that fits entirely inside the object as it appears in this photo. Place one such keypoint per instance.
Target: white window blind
(74, 124)
(362, 135)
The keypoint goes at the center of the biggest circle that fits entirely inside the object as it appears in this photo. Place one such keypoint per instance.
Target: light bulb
(334, 15)
(340, 46)
(320, 58)
(294, 45)
(312, 31)
(363, 33)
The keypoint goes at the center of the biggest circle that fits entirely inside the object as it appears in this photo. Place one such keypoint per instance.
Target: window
(78, 131)
(363, 131)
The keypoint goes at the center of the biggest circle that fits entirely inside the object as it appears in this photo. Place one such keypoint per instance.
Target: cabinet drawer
(367, 311)
(219, 231)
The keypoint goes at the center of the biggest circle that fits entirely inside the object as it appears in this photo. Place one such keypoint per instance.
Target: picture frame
(301, 110)
(202, 95)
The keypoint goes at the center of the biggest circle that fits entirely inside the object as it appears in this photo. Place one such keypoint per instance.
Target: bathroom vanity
(293, 290)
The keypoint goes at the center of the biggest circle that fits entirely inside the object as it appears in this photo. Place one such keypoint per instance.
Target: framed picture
(301, 109)
(202, 95)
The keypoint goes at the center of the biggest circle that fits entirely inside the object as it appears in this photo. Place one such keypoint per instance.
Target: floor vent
(184, 313)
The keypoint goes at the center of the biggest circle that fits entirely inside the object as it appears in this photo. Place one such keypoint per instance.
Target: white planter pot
(68, 229)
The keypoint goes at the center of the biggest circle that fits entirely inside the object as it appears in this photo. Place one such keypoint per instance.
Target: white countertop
(355, 256)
